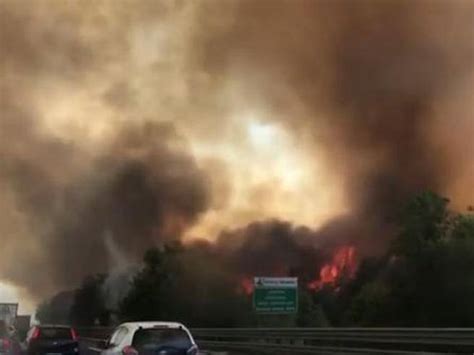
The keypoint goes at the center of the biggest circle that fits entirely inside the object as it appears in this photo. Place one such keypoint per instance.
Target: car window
(155, 338)
(118, 336)
(55, 333)
(114, 336)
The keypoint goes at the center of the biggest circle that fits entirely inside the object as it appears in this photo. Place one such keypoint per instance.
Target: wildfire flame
(246, 285)
(343, 264)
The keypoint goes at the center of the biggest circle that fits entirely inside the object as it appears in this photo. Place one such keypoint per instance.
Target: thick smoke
(367, 81)
(270, 248)
(280, 248)
(138, 194)
(123, 123)
(109, 181)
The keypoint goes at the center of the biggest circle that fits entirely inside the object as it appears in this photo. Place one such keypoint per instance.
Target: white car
(151, 338)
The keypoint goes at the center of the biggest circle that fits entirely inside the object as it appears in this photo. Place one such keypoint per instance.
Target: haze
(125, 124)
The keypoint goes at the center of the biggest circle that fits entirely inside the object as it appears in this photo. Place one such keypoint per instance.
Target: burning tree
(343, 266)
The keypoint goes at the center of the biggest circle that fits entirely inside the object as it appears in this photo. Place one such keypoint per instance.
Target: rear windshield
(156, 338)
(55, 333)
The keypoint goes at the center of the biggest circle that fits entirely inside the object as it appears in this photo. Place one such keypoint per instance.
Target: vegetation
(425, 279)
(56, 310)
(89, 303)
(188, 286)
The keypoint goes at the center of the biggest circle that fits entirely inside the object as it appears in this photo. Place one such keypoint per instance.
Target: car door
(113, 345)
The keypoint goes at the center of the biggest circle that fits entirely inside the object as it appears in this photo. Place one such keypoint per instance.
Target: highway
(88, 346)
(330, 341)
(87, 349)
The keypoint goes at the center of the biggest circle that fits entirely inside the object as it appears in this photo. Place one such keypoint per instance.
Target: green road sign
(275, 295)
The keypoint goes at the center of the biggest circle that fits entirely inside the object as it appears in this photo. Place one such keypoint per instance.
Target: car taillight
(36, 333)
(6, 344)
(129, 350)
(74, 334)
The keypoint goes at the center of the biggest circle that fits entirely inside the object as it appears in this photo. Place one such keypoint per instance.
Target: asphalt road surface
(85, 349)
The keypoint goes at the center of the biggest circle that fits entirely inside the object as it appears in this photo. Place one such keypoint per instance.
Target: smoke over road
(124, 125)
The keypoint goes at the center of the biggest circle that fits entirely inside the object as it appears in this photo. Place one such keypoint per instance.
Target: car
(52, 340)
(9, 344)
(151, 338)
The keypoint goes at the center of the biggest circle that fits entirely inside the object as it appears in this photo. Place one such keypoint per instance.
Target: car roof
(152, 324)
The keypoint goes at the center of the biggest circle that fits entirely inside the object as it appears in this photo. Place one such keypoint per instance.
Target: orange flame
(246, 285)
(343, 264)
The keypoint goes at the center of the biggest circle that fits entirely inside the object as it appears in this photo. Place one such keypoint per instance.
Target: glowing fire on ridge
(343, 264)
(246, 285)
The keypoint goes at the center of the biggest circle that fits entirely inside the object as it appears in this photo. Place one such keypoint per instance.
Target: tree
(462, 227)
(57, 309)
(191, 286)
(144, 299)
(310, 313)
(422, 223)
(205, 293)
(426, 279)
(370, 306)
(43, 312)
(89, 304)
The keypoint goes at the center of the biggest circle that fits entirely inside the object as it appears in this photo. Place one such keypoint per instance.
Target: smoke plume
(127, 124)
(367, 81)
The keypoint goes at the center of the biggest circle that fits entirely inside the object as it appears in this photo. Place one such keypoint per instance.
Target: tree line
(424, 279)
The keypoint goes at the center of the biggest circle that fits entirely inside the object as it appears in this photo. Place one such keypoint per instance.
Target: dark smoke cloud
(364, 77)
(280, 248)
(269, 248)
(143, 195)
(137, 195)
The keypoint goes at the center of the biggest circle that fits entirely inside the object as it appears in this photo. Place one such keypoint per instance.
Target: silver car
(151, 338)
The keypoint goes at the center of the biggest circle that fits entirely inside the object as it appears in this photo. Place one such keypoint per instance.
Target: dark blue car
(52, 340)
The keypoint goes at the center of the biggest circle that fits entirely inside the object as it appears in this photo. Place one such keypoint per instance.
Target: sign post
(275, 295)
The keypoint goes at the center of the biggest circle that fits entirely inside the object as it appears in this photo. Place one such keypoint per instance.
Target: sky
(126, 124)
(10, 294)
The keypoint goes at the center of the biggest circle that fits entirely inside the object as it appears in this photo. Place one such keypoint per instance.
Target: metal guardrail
(328, 340)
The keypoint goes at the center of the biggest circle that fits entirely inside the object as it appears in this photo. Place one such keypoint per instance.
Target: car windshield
(55, 333)
(156, 338)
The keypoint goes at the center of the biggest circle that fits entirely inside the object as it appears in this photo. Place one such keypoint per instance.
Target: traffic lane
(86, 348)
